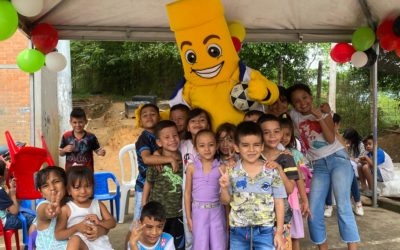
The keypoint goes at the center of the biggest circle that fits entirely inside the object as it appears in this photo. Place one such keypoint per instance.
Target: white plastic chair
(127, 185)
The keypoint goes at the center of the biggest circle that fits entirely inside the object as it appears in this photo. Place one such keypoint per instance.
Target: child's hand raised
(54, 208)
(136, 233)
(273, 165)
(224, 180)
(69, 148)
(317, 113)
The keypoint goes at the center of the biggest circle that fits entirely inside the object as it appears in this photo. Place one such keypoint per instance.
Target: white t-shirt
(310, 133)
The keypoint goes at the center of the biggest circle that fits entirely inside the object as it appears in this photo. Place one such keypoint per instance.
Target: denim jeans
(334, 169)
(355, 192)
(13, 222)
(137, 208)
(262, 238)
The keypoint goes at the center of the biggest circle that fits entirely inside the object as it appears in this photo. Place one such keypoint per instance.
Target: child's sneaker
(358, 209)
(328, 211)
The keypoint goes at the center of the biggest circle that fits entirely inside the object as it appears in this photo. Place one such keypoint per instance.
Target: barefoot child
(83, 210)
(205, 214)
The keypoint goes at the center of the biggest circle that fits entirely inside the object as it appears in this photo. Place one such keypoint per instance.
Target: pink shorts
(297, 226)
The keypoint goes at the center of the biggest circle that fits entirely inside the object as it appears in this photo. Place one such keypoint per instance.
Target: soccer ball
(240, 100)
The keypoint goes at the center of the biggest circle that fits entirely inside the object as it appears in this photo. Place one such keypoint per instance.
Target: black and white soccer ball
(240, 99)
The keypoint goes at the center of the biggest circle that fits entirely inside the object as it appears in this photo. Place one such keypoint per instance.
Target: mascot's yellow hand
(261, 89)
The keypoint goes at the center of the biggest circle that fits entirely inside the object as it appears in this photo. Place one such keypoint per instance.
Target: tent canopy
(270, 21)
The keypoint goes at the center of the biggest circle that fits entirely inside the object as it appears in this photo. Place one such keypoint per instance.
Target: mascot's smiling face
(205, 44)
(207, 52)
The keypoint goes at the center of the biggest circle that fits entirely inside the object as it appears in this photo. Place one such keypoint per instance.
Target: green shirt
(167, 189)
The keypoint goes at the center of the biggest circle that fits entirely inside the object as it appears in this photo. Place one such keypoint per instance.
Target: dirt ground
(108, 122)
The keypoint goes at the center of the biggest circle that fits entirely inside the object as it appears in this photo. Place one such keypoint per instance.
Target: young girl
(198, 119)
(51, 183)
(82, 210)
(289, 142)
(225, 141)
(205, 214)
(331, 165)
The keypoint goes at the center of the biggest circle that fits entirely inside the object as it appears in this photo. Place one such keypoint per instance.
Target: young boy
(288, 171)
(253, 192)
(148, 233)
(78, 145)
(385, 171)
(9, 206)
(179, 114)
(165, 186)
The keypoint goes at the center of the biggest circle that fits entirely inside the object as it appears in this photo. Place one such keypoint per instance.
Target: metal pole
(374, 83)
(32, 104)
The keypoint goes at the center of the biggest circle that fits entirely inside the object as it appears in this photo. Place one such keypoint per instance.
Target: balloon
(390, 42)
(236, 43)
(342, 52)
(55, 61)
(44, 37)
(237, 29)
(28, 7)
(30, 60)
(363, 38)
(8, 20)
(396, 26)
(359, 59)
(385, 27)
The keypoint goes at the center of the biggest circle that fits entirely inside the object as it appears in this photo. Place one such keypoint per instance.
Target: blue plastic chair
(101, 191)
(25, 206)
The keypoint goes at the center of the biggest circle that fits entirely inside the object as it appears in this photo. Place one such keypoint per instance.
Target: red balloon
(390, 42)
(44, 37)
(385, 27)
(342, 52)
(236, 43)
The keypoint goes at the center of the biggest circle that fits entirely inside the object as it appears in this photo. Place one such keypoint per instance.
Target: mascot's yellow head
(202, 35)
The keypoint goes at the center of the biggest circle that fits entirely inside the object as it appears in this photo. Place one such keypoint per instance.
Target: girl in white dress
(81, 211)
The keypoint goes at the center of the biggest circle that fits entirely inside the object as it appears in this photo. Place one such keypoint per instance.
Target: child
(165, 186)
(82, 210)
(225, 142)
(51, 183)
(385, 170)
(78, 145)
(148, 232)
(355, 148)
(253, 192)
(205, 214)
(331, 166)
(9, 205)
(280, 106)
(198, 119)
(252, 115)
(296, 223)
(284, 163)
(179, 114)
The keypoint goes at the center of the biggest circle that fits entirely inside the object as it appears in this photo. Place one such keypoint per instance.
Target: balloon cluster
(44, 36)
(360, 53)
(238, 33)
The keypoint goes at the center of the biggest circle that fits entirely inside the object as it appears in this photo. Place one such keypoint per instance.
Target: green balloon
(363, 38)
(30, 60)
(8, 20)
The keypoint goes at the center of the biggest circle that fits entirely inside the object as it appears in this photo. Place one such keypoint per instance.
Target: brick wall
(14, 90)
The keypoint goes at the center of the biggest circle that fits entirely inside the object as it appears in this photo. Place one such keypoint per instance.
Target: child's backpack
(308, 176)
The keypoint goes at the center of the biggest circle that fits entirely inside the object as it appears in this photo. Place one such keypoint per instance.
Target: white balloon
(28, 8)
(359, 59)
(55, 61)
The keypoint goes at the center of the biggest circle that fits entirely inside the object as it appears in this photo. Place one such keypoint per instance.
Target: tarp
(265, 20)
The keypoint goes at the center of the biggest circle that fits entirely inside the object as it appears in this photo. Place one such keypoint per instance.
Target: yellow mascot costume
(211, 64)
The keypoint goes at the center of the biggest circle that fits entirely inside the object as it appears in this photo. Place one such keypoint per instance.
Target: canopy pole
(374, 82)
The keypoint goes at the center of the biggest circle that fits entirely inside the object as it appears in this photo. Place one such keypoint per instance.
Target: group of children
(242, 187)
